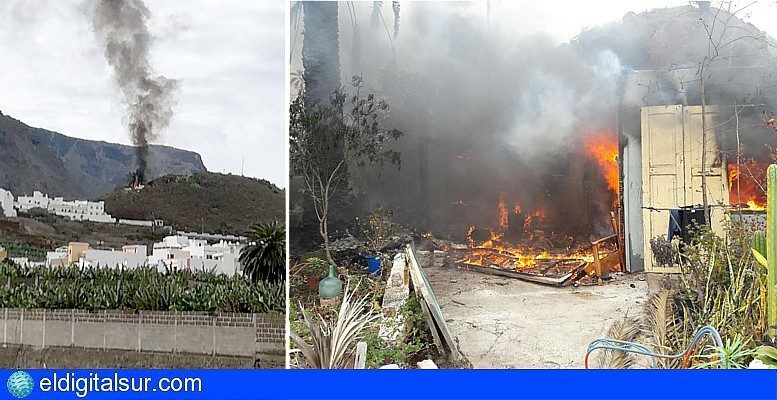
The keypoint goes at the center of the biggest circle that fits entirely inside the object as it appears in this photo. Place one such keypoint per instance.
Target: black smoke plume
(121, 26)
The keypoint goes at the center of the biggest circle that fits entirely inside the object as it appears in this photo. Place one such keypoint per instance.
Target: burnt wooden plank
(558, 281)
(422, 285)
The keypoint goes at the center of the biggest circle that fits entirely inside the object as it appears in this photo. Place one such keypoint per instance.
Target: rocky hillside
(38, 159)
(214, 202)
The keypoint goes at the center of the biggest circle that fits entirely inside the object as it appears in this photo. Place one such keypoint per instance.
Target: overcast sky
(228, 56)
(563, 20)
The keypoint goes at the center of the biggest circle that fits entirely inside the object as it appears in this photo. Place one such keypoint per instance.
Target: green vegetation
(16, 248)
(734, 355)
(329, 344)
(135, 289)
(326, 139)
(378, 228)
(264, 258)
(722, 285)
(416, 331)
(203, 201)
(771, 249)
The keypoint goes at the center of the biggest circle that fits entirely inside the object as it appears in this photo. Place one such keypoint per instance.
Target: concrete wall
(27, 357)
(134, 222)
(259, 337)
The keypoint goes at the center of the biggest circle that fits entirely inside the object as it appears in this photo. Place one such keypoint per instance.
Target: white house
(182, 252)
(112, 259)
(77, 210)
(6, 203)
(57, 258)
(37, 200)
(80, 210)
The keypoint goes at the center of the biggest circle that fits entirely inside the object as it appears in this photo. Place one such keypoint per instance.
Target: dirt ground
(508, 323)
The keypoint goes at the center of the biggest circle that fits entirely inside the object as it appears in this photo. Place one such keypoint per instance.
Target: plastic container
(373, 265)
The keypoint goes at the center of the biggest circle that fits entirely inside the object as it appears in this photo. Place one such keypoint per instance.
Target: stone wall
(258, 337)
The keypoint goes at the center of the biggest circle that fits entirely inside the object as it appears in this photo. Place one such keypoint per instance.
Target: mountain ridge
(47, 161)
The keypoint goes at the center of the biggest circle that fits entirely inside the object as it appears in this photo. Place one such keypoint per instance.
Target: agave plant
(332, 342)
(735, 354)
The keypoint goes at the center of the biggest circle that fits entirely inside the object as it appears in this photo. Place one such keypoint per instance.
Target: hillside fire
(137, 180)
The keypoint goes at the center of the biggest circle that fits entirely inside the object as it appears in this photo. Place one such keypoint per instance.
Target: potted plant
(378, 229)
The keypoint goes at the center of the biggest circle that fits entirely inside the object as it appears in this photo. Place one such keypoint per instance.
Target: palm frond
(626, 330)
(660, 327)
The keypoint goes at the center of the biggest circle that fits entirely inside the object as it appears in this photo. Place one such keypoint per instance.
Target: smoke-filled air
(493, 118)
(121, 26)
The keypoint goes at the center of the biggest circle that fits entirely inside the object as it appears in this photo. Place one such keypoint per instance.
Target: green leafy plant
(414, 339)
(378, 228)
(767, 354)
(316, 267)
(735, 354)
(326, 139)
(722, 284)
(264, 258)
(771, 245)
(145, 288)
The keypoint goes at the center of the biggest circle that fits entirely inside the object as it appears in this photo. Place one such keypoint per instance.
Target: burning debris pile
(526, 242)
(121, 25)
(523, 243)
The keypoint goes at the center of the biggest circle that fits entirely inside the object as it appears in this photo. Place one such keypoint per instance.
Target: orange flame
(533, 252)
(746, 183)
(503, 213)
(602, 147)
(531, 217)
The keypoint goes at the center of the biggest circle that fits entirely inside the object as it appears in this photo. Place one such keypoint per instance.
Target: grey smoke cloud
(519, 108)
(121, 25)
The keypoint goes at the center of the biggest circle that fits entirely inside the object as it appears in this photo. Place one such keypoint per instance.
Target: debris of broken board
(443, 340)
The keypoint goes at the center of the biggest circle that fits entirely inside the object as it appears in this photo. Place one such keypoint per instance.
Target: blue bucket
(373, 265)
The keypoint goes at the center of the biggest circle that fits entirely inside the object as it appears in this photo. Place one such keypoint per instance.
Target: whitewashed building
(57, 258)
(181, 252)
(37, 200)
(76, 210)
(112, 259)
(80, 210)
(6, 203)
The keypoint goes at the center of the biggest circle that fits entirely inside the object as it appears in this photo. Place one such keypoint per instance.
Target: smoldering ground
(487, 114)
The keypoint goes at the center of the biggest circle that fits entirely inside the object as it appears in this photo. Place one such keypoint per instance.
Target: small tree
(264, 258)
(326, 139)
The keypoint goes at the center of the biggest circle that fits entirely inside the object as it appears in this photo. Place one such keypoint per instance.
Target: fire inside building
(604, 203)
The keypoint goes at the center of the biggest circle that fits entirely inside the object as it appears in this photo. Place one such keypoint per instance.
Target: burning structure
(560, 156)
